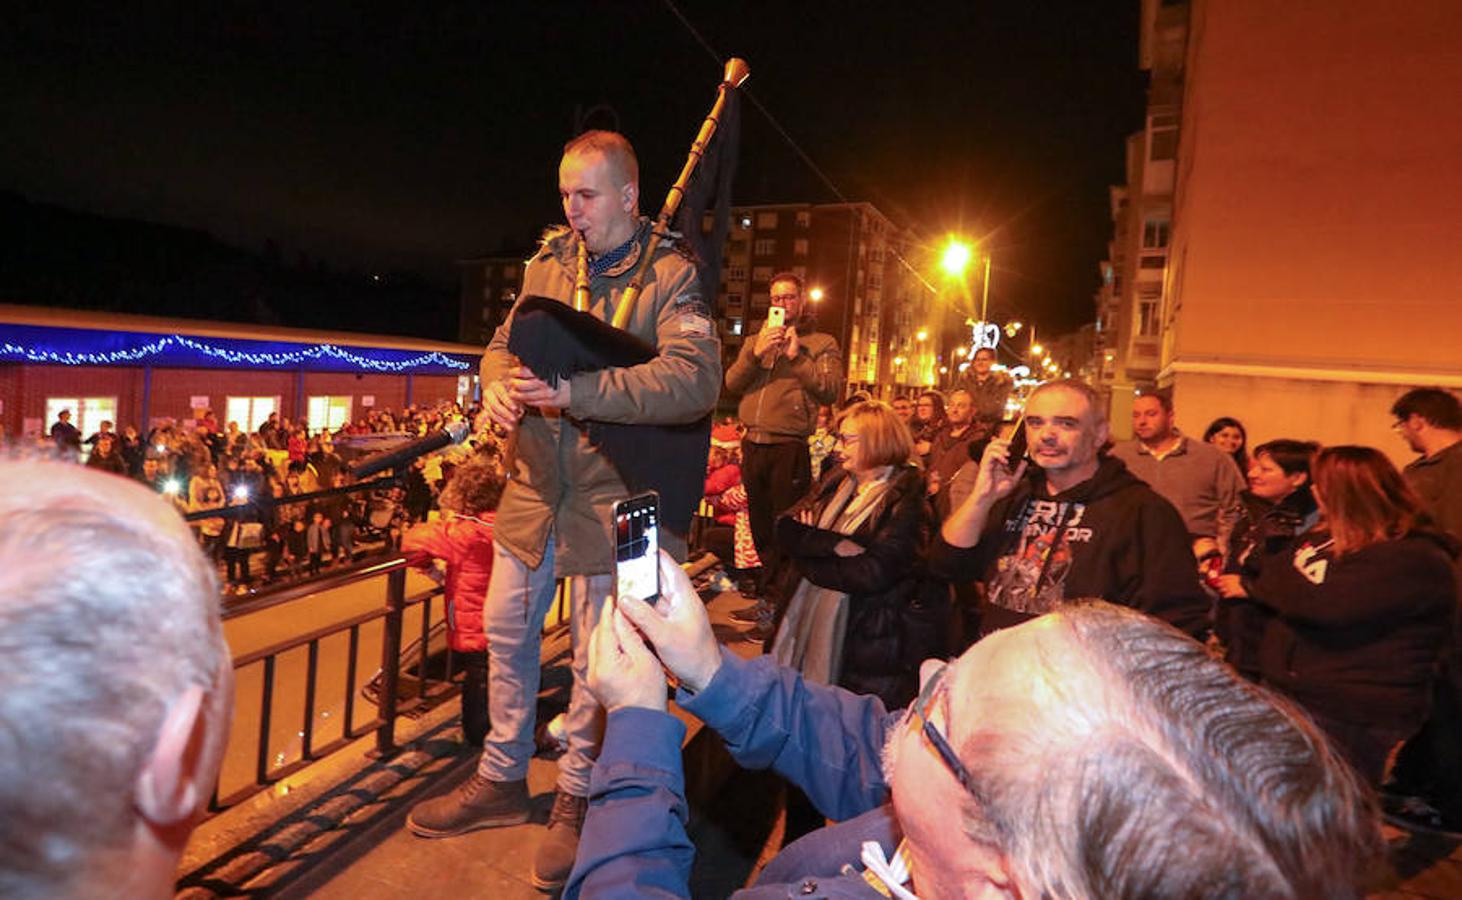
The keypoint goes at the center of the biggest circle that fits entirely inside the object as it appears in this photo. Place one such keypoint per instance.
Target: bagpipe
(557, 340)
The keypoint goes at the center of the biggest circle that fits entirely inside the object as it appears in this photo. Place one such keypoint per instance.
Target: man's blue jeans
(517, 601)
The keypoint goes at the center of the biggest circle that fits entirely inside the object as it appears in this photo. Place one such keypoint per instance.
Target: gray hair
(108, 612)
(1176, 778)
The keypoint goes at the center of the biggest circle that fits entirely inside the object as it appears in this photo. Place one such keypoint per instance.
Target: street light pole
(985, 292)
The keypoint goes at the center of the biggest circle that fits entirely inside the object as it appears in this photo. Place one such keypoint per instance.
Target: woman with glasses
(1363, 608)
(862, 614)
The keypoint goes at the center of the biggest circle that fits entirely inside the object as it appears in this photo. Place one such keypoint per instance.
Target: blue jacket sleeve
(827, 741)
(634, 842)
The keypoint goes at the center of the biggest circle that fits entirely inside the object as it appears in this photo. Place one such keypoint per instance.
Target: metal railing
(388, 703)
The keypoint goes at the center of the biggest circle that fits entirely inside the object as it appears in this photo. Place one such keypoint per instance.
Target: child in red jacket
(462, 539)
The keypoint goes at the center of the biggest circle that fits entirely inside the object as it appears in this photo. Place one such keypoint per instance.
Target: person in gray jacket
(783, 375)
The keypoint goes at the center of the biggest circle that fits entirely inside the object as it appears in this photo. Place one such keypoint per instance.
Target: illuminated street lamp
(815, 295)
(957, 255)
(1036, 349)
(961, 350)
(922, 335)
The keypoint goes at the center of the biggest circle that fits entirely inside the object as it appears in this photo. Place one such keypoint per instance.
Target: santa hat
(725, 436)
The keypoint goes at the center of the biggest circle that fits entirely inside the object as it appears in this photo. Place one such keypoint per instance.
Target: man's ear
(630, 197)
(167, 789)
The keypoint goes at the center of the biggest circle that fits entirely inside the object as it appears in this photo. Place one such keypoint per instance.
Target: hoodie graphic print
(1031, 578)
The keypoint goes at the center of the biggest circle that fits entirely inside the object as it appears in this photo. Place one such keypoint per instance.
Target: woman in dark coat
(861, 612)
(1277, 506)
(1363, 609)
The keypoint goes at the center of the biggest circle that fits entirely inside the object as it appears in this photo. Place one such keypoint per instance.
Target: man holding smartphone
(1066, 520)
(555, 519)
(783, 375)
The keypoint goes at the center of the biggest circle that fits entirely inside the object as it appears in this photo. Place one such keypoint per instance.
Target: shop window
(327, 413)
(87, 413)
(249, 412)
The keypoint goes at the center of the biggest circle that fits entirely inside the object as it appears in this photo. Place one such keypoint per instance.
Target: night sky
(407, 138)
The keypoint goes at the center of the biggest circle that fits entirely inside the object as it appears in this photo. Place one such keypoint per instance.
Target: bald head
(114, 683)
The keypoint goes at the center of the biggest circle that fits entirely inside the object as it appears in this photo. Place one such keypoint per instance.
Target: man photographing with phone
(783, 375)
(1068, 521)
(1094, 752)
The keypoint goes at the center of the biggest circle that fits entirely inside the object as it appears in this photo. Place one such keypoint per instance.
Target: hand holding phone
(637, 547)
(776, 317)
(1019, 445)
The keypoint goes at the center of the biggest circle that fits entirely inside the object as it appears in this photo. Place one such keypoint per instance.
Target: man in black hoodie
(1078, 525)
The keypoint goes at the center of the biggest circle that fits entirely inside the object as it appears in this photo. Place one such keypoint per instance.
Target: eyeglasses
(780, 299)
(920, 710)
(847, 440)
(1398, 424)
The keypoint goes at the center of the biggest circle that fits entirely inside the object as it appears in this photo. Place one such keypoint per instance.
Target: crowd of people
(1027, 661)
(200, 466)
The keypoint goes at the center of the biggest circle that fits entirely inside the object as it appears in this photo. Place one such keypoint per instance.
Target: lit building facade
(1314, 273)
(1130, 300)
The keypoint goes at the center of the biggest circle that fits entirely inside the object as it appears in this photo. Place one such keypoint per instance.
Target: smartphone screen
(637, 547)
(1018, 443)
(776, 317)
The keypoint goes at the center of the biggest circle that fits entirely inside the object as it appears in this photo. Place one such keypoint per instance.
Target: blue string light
(235, 357)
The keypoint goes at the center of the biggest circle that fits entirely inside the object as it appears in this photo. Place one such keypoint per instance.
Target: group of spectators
(201, 466)
(1324, 573)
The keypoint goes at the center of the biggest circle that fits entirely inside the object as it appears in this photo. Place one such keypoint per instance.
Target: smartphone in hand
(637, 547)
(1019, 445)
(776, 317)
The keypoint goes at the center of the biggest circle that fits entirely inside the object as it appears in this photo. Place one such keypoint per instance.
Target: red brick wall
(173, 389)
(389, 390)
(428, 389)
(28, 386)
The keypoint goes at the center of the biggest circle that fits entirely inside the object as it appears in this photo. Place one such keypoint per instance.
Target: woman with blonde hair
(861, 614)
(1363, 608)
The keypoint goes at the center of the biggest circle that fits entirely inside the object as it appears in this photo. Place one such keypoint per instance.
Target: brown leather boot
(555, 857)
(477, 803)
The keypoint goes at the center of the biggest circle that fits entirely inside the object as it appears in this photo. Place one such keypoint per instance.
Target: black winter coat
(1359, 638)
(898, 616)
(1263, 530)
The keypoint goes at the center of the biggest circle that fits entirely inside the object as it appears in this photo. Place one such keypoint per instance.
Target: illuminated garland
(318, 351)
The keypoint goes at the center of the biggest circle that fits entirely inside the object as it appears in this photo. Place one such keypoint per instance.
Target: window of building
(804, 218)
(736, 248)
(1155, 233)
(1147, 319)
(799, 247)
(736, 273)
(761, 274)
(87, 413)
(764, 247)
(249, 412)
(735, 324)
(1156, 261)
(328, 413)
(1162, 142)
(733, 303)
(766, 220)
(760, 302)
